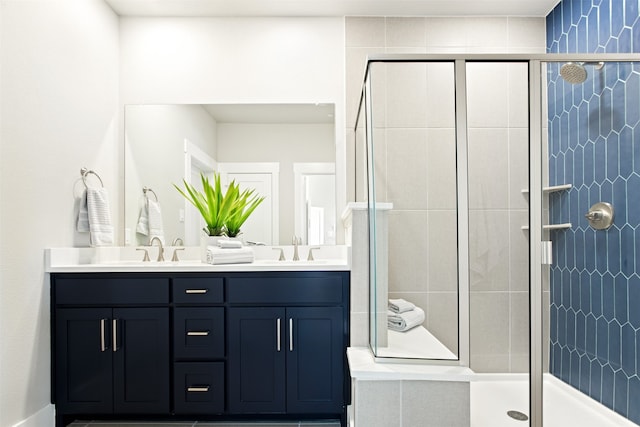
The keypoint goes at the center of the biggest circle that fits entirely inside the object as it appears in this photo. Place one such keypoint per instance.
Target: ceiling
(185, 8)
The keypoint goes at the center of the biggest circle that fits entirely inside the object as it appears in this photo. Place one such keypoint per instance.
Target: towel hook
(145, 189)
(84, 172)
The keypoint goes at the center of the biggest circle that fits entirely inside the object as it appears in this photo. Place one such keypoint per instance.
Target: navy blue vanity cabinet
(199, 345)
(288, 336)
(162, 346)
(110, 345)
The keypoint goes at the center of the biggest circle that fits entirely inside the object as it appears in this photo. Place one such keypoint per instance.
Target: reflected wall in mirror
(257, 144)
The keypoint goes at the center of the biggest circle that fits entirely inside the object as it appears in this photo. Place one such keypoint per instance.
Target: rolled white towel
(400, 305)
(216, 255)
(402, 322)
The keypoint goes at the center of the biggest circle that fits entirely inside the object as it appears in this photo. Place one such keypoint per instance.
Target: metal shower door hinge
(546, 249)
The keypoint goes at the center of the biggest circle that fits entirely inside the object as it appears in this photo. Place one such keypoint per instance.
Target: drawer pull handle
(290, 334)
(197, 333)
(204, 389)
(196, 291)
(103, 343)
(114, 335)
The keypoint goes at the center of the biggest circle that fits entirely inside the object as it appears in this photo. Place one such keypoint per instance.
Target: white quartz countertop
(128, 259)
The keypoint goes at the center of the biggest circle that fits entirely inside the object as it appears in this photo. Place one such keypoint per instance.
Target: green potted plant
(212, 203)
(244, 203)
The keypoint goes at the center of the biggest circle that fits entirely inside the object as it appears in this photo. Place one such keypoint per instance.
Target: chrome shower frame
(536, 137)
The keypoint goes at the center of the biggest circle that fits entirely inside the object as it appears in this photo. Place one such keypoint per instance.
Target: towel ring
(84, 172)
(147, 189)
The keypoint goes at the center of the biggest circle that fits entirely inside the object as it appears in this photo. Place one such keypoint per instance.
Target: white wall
(59, 108)
(236, 60)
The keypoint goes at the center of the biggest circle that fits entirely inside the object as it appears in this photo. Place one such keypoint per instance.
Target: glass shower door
(413, 209)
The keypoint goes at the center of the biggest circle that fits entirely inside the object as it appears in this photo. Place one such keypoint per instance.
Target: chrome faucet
(160, 249)
(296, 241)
(176, 240)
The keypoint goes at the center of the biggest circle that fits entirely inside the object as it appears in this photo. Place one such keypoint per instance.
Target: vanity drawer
(198, 290)
(290, 289)
(199, 388)
(198, 333)
(111, 290)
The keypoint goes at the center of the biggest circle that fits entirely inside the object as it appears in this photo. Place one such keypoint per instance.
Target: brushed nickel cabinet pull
(114, 334)
(290, 334)
(197, 333)
(198, 389)
(278, 334)
(103, 344)
(196, 291)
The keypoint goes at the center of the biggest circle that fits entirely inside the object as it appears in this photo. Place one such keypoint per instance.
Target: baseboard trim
(43, 418)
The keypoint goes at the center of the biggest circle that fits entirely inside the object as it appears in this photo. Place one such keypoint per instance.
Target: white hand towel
(402, 322)
(156, 229)
(216, 255)
(400, 305)
(143, 220)
(100, 228)
(82, 223)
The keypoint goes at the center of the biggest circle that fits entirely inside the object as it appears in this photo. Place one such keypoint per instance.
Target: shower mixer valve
(600, 216)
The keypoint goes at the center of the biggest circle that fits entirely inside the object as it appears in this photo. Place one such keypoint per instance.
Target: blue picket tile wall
(594, 144)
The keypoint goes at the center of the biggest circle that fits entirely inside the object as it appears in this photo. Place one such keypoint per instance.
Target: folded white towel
(216, 255)
(100, 228)
(229, 244)
(402, 322)
(400, 305)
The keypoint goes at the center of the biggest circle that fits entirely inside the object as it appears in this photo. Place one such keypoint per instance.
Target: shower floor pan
(563, 406)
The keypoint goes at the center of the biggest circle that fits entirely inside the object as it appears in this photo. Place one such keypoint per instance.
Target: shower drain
(517, 415)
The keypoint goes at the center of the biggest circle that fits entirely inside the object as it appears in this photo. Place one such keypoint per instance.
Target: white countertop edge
(126, 259)
(189, 267)
(363, 367)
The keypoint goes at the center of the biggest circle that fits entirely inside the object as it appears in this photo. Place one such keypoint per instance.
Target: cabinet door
(83, 360)
(256, 360)
(141, 360)
(315, 360)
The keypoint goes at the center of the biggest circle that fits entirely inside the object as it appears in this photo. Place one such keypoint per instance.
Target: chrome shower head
(574, 72)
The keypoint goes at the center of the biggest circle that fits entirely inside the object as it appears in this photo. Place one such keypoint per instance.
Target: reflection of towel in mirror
(150, 221)
(94, 216)
(216, 255)
(400, 306)
(402, 322)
